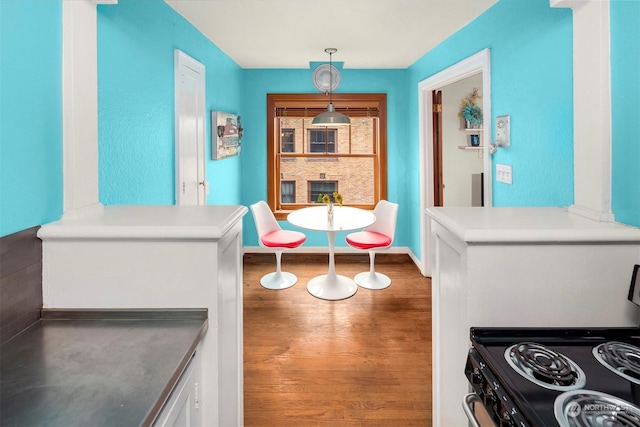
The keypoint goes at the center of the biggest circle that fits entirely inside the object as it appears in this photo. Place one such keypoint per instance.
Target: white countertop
(148, 222)
(528, 224)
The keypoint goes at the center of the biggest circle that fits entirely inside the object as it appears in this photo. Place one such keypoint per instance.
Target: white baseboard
(338, 250)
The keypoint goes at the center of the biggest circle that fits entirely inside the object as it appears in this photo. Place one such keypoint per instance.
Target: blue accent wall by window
(136, 42)
(30, 114)
(625, 115)
(258, 83)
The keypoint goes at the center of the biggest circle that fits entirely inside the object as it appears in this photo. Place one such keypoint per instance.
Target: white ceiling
(293, 33)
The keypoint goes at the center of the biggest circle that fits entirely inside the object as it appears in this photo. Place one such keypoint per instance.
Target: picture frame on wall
(226, 135)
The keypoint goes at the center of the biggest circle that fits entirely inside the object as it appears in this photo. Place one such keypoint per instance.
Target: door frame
(477, 63)
(436, 128)
(181, 61)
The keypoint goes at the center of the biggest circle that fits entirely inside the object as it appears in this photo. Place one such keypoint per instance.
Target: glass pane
(288, 192)
(297, 133)
(287, 139)
(320, 187)
(316, 136)
(322, 140)
(291, 130)
(354, 178)
(363, 130)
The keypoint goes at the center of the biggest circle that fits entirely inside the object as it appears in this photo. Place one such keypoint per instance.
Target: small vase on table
(330, 212)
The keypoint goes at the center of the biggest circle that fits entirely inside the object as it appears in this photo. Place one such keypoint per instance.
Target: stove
(552, 376)
(556, 376)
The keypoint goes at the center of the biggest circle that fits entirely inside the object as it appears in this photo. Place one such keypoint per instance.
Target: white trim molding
(475, 64)
(80, 108)
(591, 108)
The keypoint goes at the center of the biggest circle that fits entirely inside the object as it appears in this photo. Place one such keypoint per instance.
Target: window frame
(315, 102)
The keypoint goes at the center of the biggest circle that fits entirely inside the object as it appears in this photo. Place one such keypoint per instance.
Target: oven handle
(467, 405)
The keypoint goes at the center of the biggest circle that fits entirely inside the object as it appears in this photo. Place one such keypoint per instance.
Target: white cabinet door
(183, 406)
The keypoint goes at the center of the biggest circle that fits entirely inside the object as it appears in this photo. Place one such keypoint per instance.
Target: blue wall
(136, 42)
(531, 80)
(31, 114)
(258, 83)
(625, 116)
(531, 61)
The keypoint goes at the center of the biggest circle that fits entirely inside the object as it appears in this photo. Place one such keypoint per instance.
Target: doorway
(461, 165)
(476, 66)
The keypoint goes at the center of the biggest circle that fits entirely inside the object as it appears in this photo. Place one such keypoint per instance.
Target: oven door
(488, 403)
(476, 412)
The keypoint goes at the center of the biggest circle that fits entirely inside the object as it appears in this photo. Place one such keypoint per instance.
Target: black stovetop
(535, 402)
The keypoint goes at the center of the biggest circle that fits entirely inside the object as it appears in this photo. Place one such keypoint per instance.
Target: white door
(191, 184)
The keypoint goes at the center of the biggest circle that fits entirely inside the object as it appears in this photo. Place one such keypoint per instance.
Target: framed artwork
(226, 135)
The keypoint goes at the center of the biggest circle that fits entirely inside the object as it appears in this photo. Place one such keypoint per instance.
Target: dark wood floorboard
(363, 361)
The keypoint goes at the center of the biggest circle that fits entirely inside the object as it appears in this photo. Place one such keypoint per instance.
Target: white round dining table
(331, 286)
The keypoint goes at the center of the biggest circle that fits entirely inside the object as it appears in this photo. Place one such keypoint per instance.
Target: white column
(591, 108)
(80, 106)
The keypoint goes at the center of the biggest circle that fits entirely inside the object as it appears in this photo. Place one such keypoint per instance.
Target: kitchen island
(157, 257)
(93, 368)
(520, 267)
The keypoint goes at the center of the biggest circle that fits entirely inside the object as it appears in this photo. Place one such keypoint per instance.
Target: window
(322, 140)
(318, 159)
(321, 187)
(287, 139)
(288, 191)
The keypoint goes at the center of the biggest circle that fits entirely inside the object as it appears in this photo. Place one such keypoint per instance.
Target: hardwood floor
(363, 361)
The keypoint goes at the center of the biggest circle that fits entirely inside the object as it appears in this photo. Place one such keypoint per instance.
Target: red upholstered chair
(376, 237)
(272, 237)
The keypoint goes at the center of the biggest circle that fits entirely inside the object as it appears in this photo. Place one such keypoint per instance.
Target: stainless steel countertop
(95, 367)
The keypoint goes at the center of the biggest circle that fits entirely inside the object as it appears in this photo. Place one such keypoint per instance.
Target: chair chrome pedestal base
(369, 280)
(278, 280)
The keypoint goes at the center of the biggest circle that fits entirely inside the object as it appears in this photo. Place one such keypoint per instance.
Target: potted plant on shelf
(470, 111)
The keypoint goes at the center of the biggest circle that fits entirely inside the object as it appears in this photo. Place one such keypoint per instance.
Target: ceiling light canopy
(331, 116)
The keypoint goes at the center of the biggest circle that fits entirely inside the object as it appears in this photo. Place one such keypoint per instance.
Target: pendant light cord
(330, 79)
(331, 116)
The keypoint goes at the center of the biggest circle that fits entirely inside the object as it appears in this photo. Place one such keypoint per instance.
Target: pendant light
(331, 116)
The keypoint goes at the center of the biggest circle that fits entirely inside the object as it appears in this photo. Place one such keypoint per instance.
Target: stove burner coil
(545, 367)
(621, 358)
(587, 408)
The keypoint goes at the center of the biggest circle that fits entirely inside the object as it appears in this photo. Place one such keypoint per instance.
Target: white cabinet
(182, 408)
(160, 257)
(503, 267)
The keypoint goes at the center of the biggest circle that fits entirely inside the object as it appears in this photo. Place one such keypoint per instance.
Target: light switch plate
(503, 131)
(503, 173)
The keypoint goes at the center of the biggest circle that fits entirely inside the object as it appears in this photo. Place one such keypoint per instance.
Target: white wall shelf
(469, 132)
